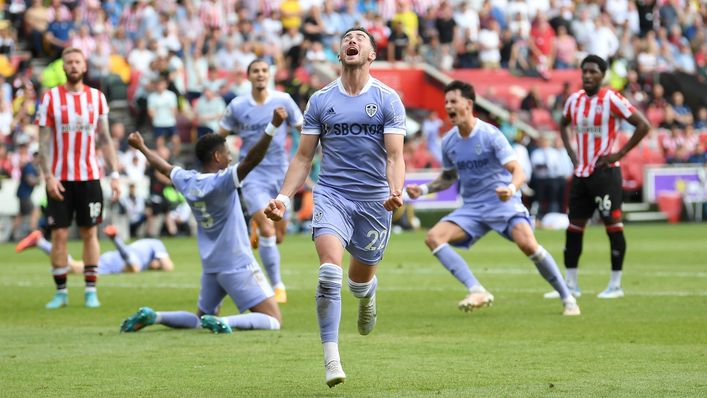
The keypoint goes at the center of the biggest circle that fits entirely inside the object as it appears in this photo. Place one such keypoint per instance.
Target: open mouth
(452, 115)
(352, 51)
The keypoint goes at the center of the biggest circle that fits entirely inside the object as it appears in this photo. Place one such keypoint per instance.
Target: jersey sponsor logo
(353, 129)
(251, 127)
(74, 127)
(371, 109)
(591, 130)
(472, 164)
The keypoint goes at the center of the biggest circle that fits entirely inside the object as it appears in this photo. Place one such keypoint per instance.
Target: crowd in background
(172, 66)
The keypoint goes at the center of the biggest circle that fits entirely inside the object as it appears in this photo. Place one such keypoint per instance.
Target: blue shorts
(111, 262)
(361, 226)
(167, 132)
(259, 188)
(477, 221)
(247, 287)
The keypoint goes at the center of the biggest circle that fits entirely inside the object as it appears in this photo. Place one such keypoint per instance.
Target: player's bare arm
(564, 134)
(135, 140)
(642, 128)
(444, 180)
(111, 157)
(297, 173)
(54, 187)
(395, 170)
(257, 152)
(505, 193)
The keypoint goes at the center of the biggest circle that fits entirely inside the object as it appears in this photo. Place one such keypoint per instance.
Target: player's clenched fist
(279, 115)
(414, 191)
(135, 140)
(275, 210)
(393, 202)
(505, 193)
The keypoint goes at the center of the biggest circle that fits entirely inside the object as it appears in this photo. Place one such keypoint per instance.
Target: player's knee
(434, 239)
(60, 235)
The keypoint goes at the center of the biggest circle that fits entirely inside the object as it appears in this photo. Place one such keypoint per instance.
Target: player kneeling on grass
(141, 255)
(477, 154)
(229, 267)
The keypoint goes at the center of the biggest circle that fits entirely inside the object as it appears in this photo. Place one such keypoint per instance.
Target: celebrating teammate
(595, 114)
(68, 117)
(477, 154)
(226, 257)
(141, 255)
(247, 116)
(360, 123)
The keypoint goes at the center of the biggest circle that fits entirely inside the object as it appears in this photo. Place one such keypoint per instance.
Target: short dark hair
(595, 59)
(466, 89)
(253, 62)
(362, 29)
(207, 145)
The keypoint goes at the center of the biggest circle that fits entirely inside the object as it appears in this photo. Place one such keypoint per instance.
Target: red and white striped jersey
(73, 118)
(596, 120)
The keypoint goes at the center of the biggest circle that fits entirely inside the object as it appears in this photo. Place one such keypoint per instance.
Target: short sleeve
(180, 178)
(502, 148)
(395, 119)
(160, 250)
(45, 111)
(566, 109)
(620, 106)
(447, 161)
(294, 114)
(312, 121)
(228, 120)
(103, 107)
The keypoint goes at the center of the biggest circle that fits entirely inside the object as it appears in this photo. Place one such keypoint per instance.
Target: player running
(478, 155)
(360, 123)
(229, 267)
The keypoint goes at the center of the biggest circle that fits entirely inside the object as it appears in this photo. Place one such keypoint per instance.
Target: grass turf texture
(650, 343)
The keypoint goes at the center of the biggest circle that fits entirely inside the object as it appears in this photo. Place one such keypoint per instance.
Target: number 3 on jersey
(206, 220)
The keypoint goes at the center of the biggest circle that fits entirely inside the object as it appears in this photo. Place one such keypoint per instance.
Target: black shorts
(600, 191)
(26, 206)
(85, 198)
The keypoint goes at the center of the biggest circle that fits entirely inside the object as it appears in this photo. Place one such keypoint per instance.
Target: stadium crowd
(170, 68)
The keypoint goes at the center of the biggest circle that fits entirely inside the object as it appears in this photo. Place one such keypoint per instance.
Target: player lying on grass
(141, 255)
(229, 267)
(479, 156)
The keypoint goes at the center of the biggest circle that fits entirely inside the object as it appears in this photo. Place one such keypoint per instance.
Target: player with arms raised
(246, 116)
(360, 123)
(229, 267)
(596, 113)
(477, 154)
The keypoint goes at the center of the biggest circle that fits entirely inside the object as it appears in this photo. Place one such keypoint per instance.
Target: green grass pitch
(652, 343)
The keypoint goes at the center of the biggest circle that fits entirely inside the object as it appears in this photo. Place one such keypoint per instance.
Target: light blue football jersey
(351, 130)
(479, 161)
(141, 252)
(247, 119)
(222, 234)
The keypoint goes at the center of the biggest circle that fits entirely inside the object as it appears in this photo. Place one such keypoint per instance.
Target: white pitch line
(539, 292)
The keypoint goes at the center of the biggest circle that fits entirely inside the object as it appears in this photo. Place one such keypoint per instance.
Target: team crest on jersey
(90, 108)
(598, 109)
(371, 109)
(478, 149)
(63, 108)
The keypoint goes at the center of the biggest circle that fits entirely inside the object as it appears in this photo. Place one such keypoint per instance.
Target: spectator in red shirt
(542, 45)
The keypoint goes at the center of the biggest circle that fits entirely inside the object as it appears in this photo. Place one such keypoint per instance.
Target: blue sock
(455, 264)
(122, 249)
(178, 319)
(252, 321)
(547, 267)
(328, 299)
(44, 245)
(270, 256)
(365, 289)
